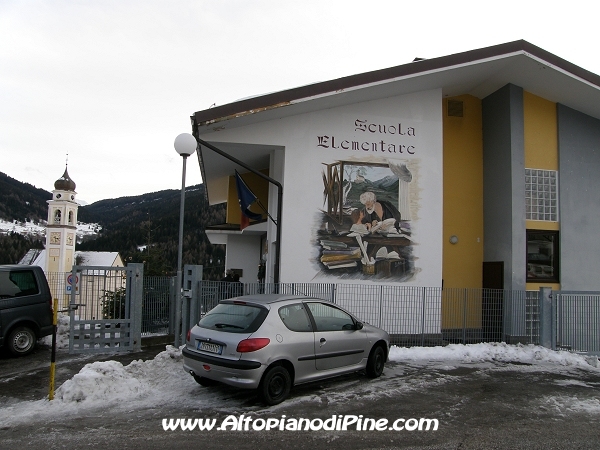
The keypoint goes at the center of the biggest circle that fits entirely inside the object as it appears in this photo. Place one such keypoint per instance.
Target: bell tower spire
(62, 225)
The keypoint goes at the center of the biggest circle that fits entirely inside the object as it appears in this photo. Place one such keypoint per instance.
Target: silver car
(273, 342)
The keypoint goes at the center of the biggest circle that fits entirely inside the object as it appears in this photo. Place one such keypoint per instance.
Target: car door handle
(322, 341)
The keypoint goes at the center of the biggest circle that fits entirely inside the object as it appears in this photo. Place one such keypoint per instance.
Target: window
(295, 318)
(329, 318)
(234, 318)
(541, 195)
(542, 256)
(17, 283)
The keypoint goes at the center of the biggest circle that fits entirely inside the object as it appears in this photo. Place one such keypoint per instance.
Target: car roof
(17, 266)
(265, 299)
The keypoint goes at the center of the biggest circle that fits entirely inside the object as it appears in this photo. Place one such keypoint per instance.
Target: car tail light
(188, 336)
(251, 345)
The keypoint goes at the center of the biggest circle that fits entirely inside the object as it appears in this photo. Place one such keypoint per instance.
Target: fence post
(135, 308)
(423, 319)
(546, 318)
(554, 314)
(380, 306)
(172, 297)
(464, 326)
(192, 275)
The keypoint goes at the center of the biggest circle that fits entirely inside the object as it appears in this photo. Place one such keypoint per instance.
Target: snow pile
(109, 384)
(565, 406)
(110, 380)
(493, 352)
(62, 332)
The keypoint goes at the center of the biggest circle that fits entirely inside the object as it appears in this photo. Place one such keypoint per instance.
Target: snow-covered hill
(39, 228)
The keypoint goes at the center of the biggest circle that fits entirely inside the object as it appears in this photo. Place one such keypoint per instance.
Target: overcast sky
(113, 82)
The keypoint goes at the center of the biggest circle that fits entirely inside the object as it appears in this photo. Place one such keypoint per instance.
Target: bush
(113, 304)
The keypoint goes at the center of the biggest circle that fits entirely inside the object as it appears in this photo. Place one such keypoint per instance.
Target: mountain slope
(143, 228)
(151, 221)
(22, 201)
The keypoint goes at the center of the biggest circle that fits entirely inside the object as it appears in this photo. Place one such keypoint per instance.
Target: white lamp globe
(185, 144)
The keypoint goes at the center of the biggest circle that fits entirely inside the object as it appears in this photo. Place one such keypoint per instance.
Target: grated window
(455, 108)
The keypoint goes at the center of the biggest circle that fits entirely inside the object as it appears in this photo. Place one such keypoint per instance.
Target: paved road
(479, 406)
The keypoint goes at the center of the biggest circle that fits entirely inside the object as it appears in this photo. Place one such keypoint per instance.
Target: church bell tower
(62, 226)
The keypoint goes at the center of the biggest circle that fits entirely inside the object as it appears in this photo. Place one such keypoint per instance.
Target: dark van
(25, 308)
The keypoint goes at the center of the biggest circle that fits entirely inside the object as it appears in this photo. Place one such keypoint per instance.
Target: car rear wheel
(376, 362)
(21, 341)
(275, 385)
(206, 382)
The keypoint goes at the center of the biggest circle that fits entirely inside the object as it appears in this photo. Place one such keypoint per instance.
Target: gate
(105, 308)
(577, 326)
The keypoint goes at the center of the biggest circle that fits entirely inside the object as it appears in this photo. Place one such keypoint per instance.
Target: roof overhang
(477, 72)
(216, 169)
(219, 234)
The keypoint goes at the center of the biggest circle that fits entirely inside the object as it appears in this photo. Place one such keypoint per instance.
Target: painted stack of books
(337, 255)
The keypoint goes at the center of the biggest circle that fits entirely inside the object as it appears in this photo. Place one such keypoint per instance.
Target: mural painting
(365, 226)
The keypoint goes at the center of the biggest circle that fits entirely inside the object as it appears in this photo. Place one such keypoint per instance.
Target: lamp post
(185, 145)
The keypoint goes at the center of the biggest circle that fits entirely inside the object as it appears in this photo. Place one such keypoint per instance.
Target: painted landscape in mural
(364, 227)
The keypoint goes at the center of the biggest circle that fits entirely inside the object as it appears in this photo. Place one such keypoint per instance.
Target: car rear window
(17, 283)
(234, 318)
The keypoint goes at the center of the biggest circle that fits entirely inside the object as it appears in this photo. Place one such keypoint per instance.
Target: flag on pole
(246, 198)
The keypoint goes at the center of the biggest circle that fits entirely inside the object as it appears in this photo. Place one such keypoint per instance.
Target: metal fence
(411, 315)
(414, 316)
(100, 295)
(578, 321)
(57, 282)
(532, 316)
(158, 306)
(105, 308)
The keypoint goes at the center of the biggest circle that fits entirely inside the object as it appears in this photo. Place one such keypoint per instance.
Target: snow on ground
(39, 228)
(490, 353)
(24, 228)
(87, 229)
(564, 405)
(162, 380)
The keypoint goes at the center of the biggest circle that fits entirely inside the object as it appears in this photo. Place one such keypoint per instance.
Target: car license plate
(209, 347)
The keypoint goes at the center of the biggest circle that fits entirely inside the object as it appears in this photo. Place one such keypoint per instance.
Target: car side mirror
(358, 326)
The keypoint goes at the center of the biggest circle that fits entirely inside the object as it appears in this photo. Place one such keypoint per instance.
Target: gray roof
(36, 257)
(476, 72)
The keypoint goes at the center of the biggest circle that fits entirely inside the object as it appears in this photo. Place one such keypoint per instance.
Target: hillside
(21, 201)
(143, 228)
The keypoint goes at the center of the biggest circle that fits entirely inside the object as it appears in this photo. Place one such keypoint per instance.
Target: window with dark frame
(542, 256)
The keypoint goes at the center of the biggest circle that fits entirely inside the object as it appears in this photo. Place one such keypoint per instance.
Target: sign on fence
(69, 283)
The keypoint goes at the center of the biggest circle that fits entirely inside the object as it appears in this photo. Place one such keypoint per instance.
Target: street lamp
(185, 145)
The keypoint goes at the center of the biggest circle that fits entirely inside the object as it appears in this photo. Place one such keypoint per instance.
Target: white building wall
(243, 252)
(305, 156)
